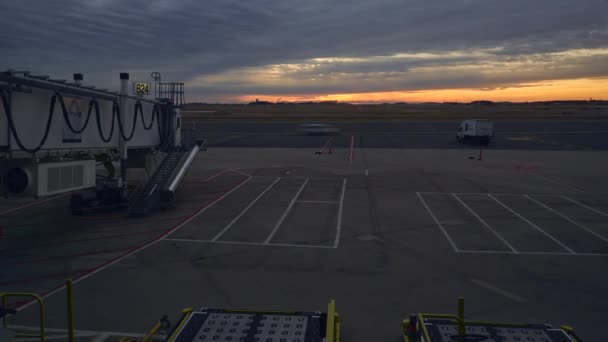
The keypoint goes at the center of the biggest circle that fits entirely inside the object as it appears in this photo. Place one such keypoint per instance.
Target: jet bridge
(55, 133)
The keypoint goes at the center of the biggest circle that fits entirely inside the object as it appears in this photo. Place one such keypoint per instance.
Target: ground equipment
(475, 131)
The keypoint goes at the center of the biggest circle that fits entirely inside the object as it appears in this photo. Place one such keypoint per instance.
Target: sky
(345, 50)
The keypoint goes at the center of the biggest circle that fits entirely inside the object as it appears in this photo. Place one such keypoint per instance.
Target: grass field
(389, 112)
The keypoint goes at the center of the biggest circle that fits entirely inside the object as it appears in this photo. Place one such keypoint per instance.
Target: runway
(552, 135)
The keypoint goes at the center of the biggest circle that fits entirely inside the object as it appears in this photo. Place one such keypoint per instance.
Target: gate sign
(141, 88)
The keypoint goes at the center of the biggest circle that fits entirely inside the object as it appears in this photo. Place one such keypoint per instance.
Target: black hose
(158, 124)
(94, 104)
(67, 118)
(165, 134)
(116, 110)
(154, 116)
(11, 124)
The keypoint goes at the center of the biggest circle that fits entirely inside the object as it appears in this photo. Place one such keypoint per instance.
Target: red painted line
(46, 276)
(240, 172)
(102, 237)
(34, 203)
(131, 223)
(133, 250)
(216, 175)
(69, 256)
(352, 147)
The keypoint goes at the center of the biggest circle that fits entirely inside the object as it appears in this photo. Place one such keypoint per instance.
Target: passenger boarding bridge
(55, 133)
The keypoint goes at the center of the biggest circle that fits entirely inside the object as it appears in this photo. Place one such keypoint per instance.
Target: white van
(475, 131)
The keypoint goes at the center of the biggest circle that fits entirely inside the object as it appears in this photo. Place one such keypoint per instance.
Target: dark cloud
(190, 38)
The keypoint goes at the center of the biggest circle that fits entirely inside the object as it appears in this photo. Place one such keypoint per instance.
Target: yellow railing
(185, 315)
(333, 323)
(6, 295)
(462, 323)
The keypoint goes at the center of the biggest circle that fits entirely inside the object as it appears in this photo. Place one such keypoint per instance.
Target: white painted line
(366, 172)
(101, 338)
(586, 206)
(219, 235)
(340, 209)
(499, 291)
(240, 172)
(558, 182)
(94, 271)
(81, 332)
(533, 225)
(501, 194)
(567, 218)
(482, 251)
(485, 223)
(532, 253)
(445, 233)
(468, 193)
(321, 202)
(291, 204)
(324, 146)
(248, 243)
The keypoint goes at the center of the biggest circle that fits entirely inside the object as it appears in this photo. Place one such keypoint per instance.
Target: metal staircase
(147, 199)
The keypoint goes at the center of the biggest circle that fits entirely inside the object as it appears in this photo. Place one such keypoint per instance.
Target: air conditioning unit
(43, 179)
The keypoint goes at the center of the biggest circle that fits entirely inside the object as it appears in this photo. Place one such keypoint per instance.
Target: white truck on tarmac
(475, 131)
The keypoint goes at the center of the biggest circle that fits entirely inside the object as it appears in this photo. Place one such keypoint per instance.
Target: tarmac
(521, 231)
(528, 135)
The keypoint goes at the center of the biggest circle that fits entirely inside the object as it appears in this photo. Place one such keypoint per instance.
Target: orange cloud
(573, 89)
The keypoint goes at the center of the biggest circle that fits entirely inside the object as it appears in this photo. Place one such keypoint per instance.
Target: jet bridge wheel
(17, 180)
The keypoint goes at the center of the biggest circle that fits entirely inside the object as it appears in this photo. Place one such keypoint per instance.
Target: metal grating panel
(443, 331)
(77, 175)
(53, 181)
(282, 328)
(66, 176)
(252, 327)
(225, 327)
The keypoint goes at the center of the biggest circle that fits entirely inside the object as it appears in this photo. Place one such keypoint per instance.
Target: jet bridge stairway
(161, 187)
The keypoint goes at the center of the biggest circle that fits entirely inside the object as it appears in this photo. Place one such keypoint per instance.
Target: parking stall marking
(533, 225)
(445, 233)
(567, 218)
(485, 224)
(340, 209)
(249, 243)
(585, 206)
(286, 212)
(591, 244)
(219, 235)
(532, 253)
(281, 231)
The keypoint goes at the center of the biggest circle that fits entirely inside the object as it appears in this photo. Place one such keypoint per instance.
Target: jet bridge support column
(124, 92)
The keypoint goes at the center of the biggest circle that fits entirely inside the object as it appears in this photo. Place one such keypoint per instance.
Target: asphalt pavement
(525, 135)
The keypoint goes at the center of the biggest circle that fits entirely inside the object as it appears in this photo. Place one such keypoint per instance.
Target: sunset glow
(577, 89)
